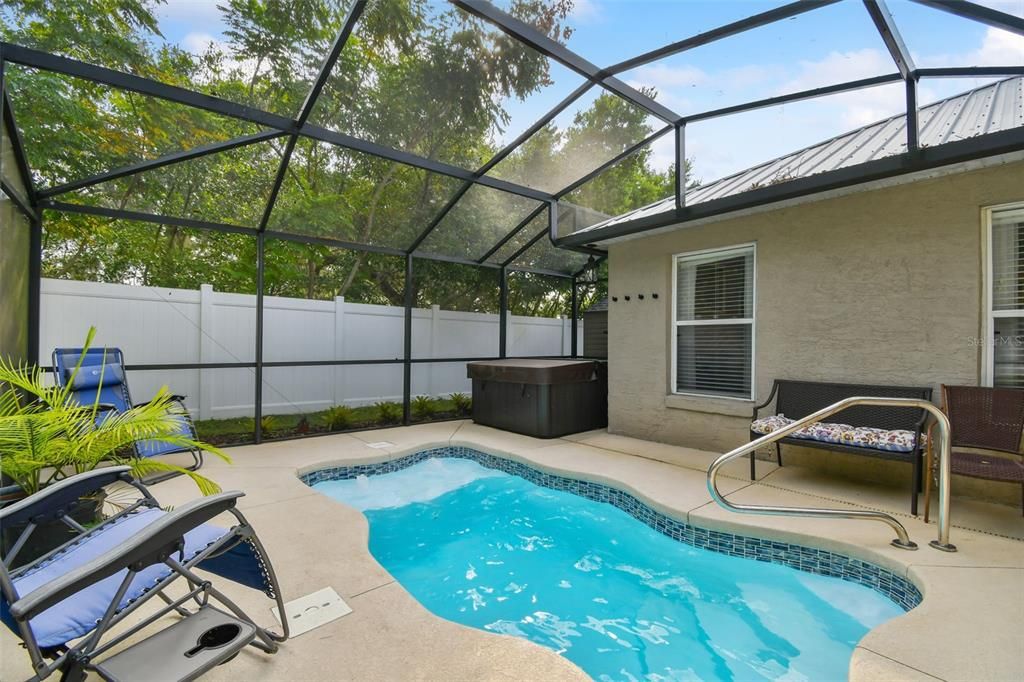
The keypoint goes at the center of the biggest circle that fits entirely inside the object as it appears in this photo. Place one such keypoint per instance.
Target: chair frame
(158, 542)
(117, 355)
(930, 457)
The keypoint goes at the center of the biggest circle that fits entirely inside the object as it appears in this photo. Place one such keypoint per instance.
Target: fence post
(340, 389)
(509, 336)
(207, 352)
(435, 331)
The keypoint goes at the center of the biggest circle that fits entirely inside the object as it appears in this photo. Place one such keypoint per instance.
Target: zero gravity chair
(64, 604)
(102, 379)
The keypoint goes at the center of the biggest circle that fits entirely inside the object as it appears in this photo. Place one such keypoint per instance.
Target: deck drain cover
(380, 445)
(313, 610)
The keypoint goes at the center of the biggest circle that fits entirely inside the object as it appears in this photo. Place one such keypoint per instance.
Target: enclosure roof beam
(307, 107)
(523, 249)
(209, 226)
(979, 13)
(970, 71)
(886, 26)
(629, 151)
(568, 189)
(530, 36)
(513, 232)
(18, 147)
(161, 161)
(795, 97)
(755, 21)
(139, 216)
(145, 86)
(498, 158)
(434, 166)
(926, 158)
(22, 202)
(98, 74)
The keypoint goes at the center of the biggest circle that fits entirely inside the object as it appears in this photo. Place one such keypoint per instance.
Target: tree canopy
(415, 75)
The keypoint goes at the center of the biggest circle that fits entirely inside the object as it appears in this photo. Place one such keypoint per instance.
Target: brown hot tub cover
(532, 371)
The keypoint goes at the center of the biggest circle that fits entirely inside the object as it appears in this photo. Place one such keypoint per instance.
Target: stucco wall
(877, 287)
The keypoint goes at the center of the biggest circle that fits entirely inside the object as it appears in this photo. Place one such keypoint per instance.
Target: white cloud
(664, 76)
(197, 43)
(195, 12)
(586, 12)
(999, 48)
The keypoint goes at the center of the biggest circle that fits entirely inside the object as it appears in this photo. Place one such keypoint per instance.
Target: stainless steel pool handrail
(902, 540)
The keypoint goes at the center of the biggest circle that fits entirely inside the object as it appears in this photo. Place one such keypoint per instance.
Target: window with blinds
(714, 323)
(1006, 314)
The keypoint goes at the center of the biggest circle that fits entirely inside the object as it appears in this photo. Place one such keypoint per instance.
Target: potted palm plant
(46, 435)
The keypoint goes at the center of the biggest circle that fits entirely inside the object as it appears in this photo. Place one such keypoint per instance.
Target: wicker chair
(989, 419)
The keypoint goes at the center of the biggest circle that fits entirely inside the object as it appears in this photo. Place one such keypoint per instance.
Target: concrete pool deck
(967, 628)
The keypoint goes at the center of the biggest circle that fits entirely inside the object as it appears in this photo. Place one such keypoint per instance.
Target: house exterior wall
(883, 287)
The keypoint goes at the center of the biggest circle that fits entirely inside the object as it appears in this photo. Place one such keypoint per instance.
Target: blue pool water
(624, 602)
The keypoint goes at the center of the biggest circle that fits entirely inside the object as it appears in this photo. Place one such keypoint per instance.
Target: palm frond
(144, 468)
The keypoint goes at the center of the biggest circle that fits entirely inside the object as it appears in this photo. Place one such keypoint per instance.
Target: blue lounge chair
(64, 604)
(102, 379)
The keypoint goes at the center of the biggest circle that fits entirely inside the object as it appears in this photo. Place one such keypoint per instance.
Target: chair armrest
(766, 403)
(151, 545)
(58, 496)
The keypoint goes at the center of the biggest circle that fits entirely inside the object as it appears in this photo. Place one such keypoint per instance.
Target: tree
(433, 82)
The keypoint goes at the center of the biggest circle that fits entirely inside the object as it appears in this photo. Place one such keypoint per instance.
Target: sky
(830, 45)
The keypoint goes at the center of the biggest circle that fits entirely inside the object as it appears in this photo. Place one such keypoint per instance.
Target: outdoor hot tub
(541, 398)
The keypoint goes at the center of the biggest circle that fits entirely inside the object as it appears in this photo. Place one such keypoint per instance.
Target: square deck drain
(313, 610)
(381, 444)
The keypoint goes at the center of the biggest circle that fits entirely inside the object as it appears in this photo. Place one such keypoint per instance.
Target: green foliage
(423, 407)
(268, 424)
(388, 412)
(416, 76)
(45, 435)
(339, 417)
(462, 402)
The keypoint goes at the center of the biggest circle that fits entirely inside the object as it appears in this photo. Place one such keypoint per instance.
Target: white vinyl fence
(177, 326)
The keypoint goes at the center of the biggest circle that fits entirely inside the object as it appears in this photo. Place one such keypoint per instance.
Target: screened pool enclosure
(348, 200)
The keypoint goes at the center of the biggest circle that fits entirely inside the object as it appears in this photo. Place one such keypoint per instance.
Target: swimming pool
(593, 573)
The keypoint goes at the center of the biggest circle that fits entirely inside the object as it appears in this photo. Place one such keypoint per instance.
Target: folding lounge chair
(102, 378)
(64, 604)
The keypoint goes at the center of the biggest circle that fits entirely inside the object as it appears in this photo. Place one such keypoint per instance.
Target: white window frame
(990, 315)
(752, 321)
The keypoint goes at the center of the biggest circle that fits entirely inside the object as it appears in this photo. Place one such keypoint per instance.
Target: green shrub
(462, 403)
(388, 413)
(338, 417)
(268, 424)
(423, 407)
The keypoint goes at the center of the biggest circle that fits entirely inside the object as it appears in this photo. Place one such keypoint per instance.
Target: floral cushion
(824, 432)
(770, 424)
(897, 440)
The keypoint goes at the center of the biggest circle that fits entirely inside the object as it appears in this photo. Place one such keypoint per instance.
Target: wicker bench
(797, 399)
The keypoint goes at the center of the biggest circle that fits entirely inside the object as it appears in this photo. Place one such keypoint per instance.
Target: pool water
(624, 602)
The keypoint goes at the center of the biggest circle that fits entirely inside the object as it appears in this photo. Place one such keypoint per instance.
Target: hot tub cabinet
(540, 398)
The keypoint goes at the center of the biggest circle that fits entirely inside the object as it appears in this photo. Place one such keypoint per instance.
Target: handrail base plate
(947, 547)
(908, 545)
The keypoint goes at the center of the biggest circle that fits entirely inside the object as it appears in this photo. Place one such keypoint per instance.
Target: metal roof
(988, 109)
